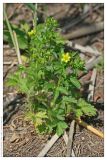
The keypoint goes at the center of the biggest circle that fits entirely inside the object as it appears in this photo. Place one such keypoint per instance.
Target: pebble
(82, 138)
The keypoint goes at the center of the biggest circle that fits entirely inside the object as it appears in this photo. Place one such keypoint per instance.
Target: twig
(90, 128)
(91, 59)
(93, 63)
(70, 139)
(94, 28)
(91, 86)
(48, 146)
(90, 66)
(10, 63)
(17, 48)
(84, 82)
(65, 137)
(83, 49)
(79, 19)
(9, 68)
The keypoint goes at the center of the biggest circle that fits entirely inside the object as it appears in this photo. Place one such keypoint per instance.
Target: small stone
(82, 138)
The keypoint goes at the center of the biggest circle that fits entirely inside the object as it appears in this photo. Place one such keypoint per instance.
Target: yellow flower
(65, 57)
(31, 33)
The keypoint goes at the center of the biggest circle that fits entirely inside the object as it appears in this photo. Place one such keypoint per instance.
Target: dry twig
(10, 63)
(48, 146)
(80, 18)
(65, 137)
(9, 68)
(93, 63)
(70, 139)
(90, 128)
(94, 28)
(83, 49)
(91, 86)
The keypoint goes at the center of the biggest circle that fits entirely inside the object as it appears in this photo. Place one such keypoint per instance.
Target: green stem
(17, 48)
(9, 26)
(35, 16)
(54, 99)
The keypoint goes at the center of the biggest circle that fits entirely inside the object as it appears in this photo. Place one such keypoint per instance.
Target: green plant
(50, 81)
(21, 32)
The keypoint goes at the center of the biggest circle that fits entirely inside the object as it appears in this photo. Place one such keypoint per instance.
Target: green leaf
(49, 68)
(78, 113)
(25, 27)
(56, 95)
(49, 86)
(86, 108)
(37, 118)
(60, 114)
(6, 36)
(21, 36)
(22, 41)
(75, 82)
(31, 6)
(60, 117)
(69, 99)
(61, 126)
(62, 90)
(41, 129)
(23, 87)
(13, 80)
(41, 115)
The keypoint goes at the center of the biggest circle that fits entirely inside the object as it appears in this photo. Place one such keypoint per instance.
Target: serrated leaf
(89, 110)
(25, 27)
(41, 115)
(60, 117)
(61, 126)
(62, 90)
(37, 118)
(75, 82)
(60, 114)
(41, 129)
(56, 95)
(69, 99)
(49, 85)
(86, 108)
(78, 113)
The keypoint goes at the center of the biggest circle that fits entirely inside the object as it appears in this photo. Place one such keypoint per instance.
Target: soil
(19, 136)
